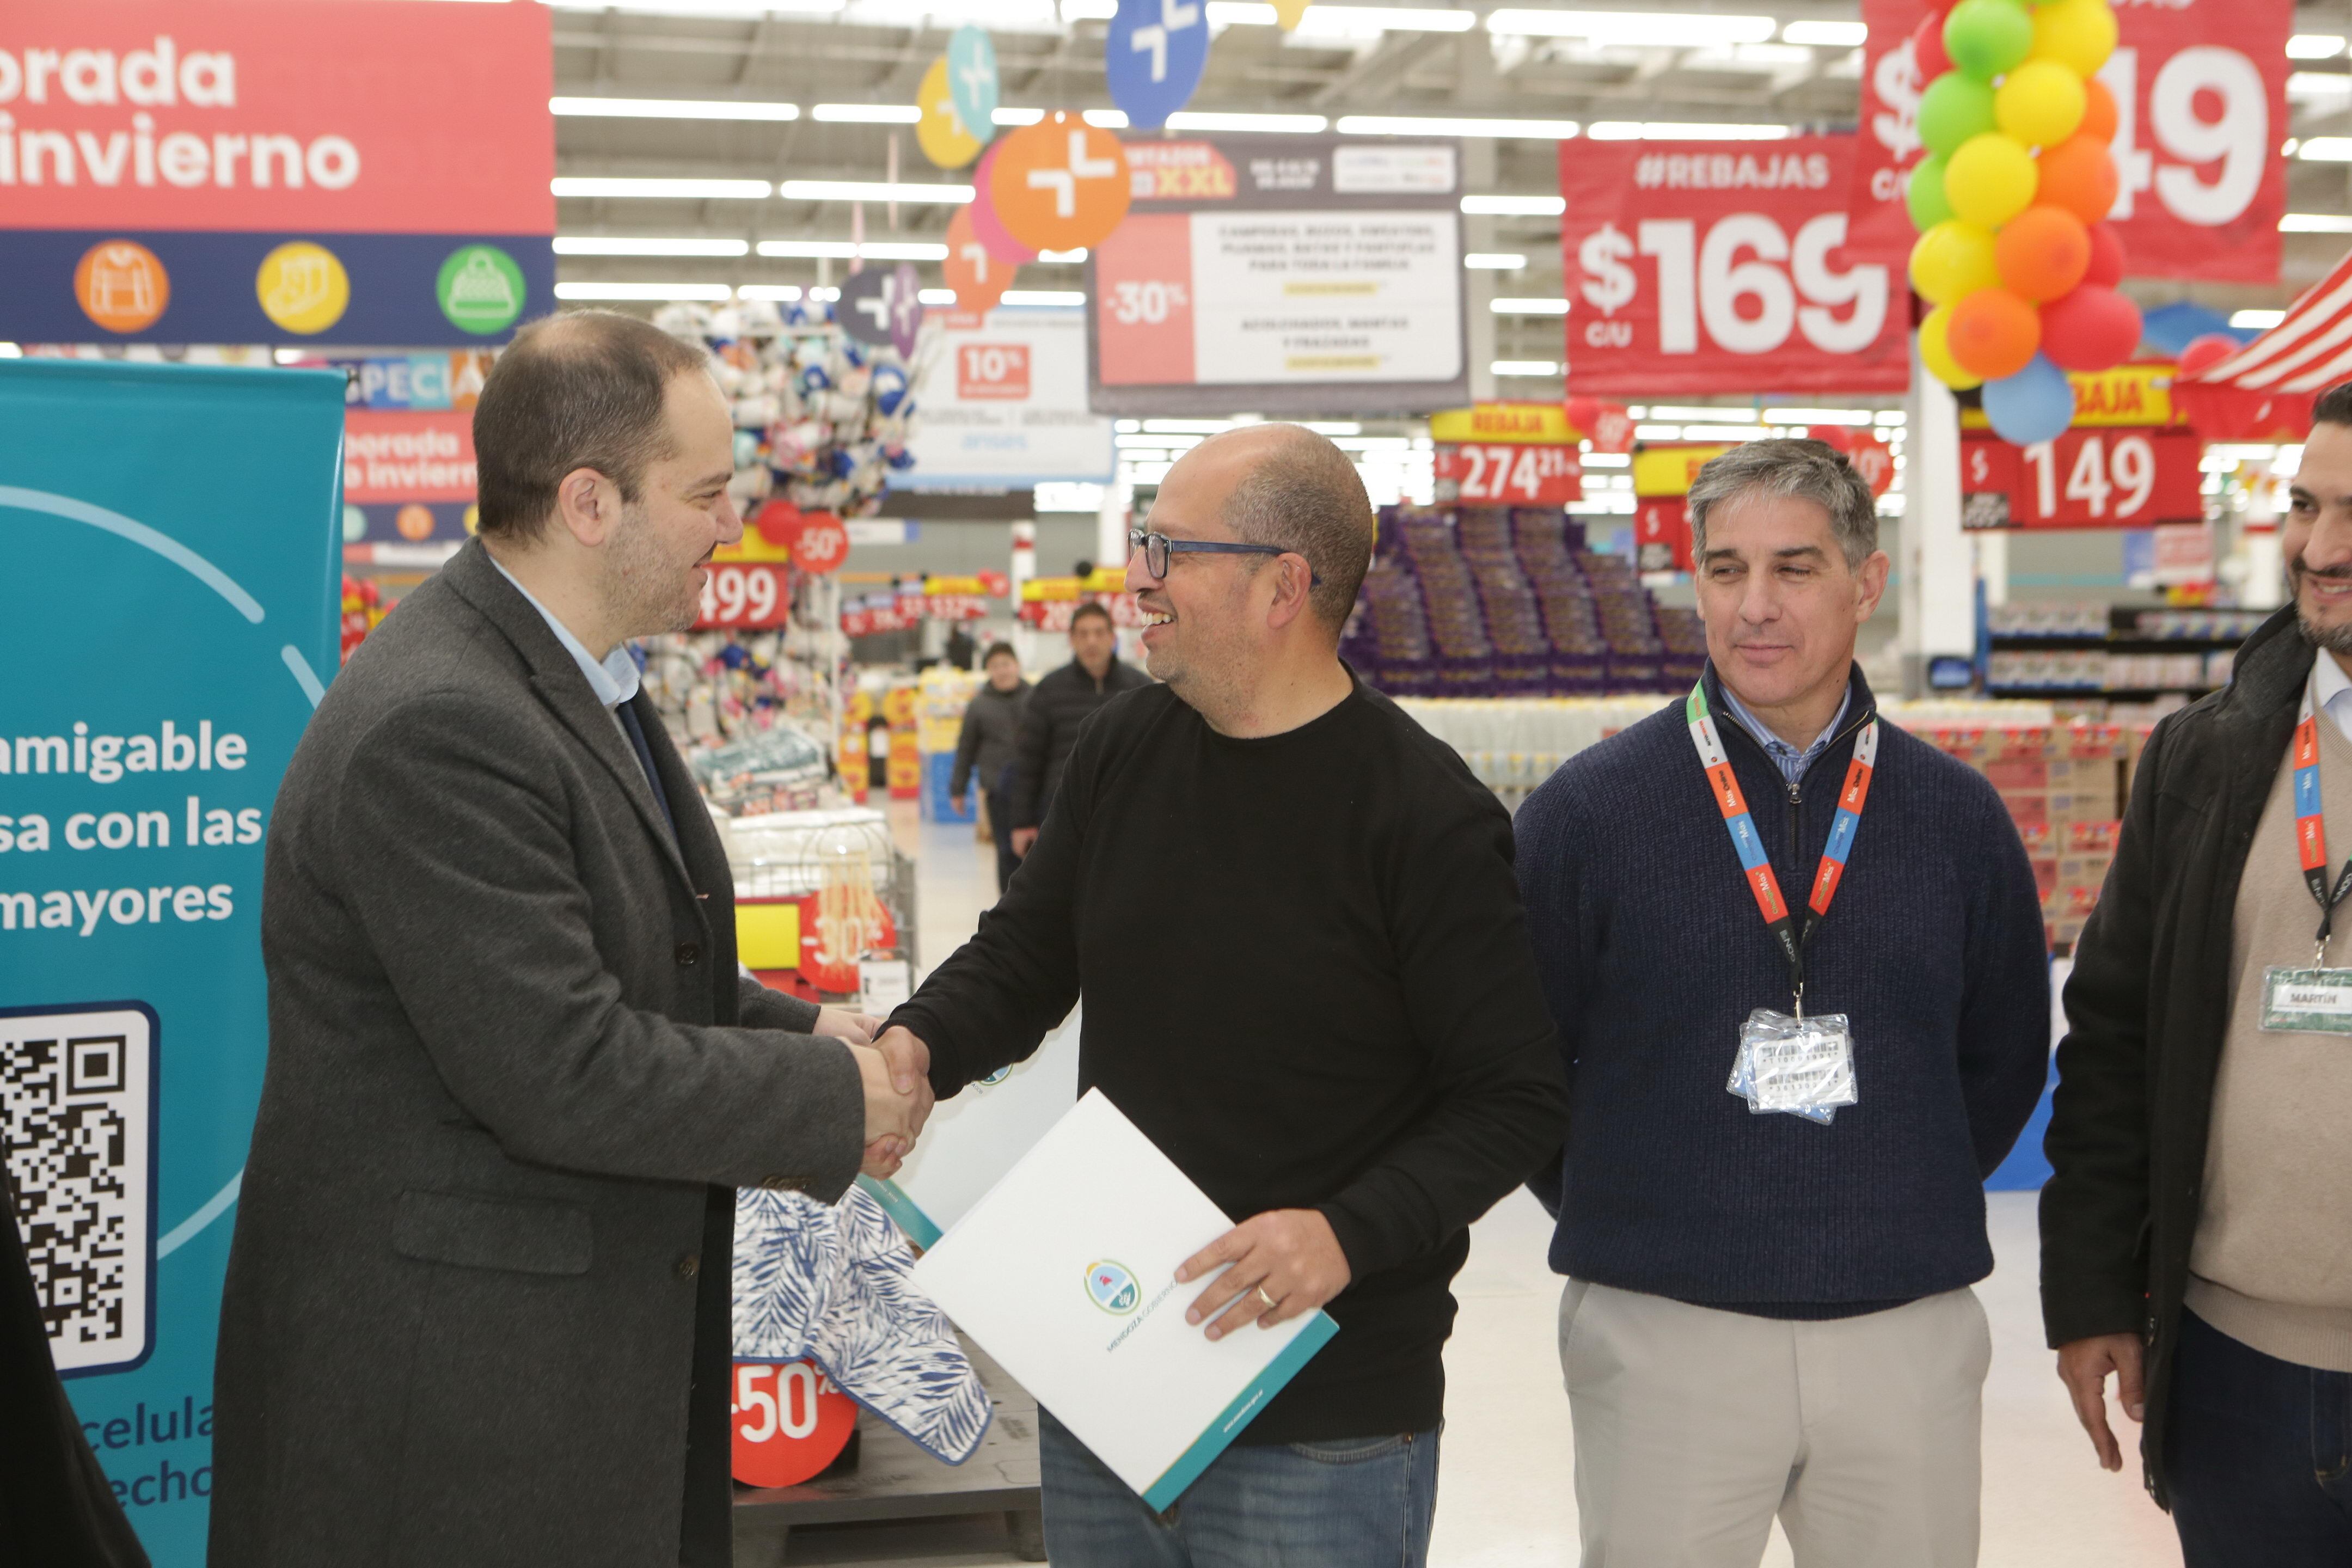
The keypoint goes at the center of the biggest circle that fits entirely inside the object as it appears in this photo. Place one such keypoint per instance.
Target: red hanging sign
(2087, 477)
(1513, 475)
(743, 595)
(1725, 264)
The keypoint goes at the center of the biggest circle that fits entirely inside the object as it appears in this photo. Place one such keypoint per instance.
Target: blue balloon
(1153, 56)
(971, 80)
(2035, 405)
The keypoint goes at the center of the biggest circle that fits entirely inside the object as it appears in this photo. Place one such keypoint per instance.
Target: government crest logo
(1110, 1286)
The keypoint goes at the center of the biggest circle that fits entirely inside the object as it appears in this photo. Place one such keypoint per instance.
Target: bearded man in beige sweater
(2197, 1233)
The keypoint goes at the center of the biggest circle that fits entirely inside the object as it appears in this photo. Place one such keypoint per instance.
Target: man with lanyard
(2194, 1235)
(1770, 1203)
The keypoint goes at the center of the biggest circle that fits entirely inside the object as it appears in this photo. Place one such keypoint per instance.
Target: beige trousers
(1694, 1427)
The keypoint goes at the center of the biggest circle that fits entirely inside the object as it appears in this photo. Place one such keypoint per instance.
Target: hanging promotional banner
(1153, 55)
(1662, 481)
(1004, 404)
(274, 171)
(971, 79)
(1324, 275)
(1727, 264)
(882, 306)
(1507, 474)
(2089, 477)
(2200, 93)
(134, 797)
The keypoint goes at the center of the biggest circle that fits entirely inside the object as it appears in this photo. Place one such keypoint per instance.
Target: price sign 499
(742, 595)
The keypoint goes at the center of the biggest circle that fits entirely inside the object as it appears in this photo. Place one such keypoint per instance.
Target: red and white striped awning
(2309, 351)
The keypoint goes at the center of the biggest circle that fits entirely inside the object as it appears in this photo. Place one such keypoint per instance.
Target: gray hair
(1804, 470)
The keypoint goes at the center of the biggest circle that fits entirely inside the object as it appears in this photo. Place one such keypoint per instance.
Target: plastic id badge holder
(1801, 1066)
(2307, 1001)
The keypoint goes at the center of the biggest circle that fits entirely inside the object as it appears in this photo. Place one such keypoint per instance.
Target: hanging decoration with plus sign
(944, 135)
(1060, 183)
(1153, 56)
(971, 77)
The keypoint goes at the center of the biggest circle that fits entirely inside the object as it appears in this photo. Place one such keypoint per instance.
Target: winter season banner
(2200, 93)
(181, 587)
(1004, 401)
(250, 171)
(1695, 267)
(1323, 276)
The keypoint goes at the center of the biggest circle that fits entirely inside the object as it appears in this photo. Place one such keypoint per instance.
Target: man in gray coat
(477, 1305)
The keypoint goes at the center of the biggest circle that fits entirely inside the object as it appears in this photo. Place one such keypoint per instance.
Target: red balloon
(779, 522)
(2204, 353)
(2106, 269)
(2090, 328)
(1581, 413)
(1928, 46)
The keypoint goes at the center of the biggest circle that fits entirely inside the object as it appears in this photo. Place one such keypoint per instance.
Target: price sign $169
(1740, 280)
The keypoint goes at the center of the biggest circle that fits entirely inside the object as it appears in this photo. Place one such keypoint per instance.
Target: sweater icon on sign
(121, 286)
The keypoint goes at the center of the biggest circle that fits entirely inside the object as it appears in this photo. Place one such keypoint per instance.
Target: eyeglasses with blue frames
(1158, 547)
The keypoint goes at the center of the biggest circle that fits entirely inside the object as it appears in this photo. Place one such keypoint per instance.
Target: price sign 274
(1496, 474)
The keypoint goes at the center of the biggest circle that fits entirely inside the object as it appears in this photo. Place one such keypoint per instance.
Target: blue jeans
(1362, 1502)
(2259, 1455)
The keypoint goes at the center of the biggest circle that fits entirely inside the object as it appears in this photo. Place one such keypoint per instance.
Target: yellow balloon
(1286, 14)
(1935, 351)
(1991, 179)
(2077, 34)
(2040, 103)
(940, 132)
(1953, 261)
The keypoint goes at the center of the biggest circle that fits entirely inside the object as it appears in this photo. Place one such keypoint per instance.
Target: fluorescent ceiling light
(1749, 57)
(872, 250)
(1701, 411)
(1819, 415)
(1494, 261)
(1063, 257)
(1189, 119)
(1188, 427)
(1529, 306)
(825, 294)
(1438, 125)
(1605, 460)
(601, 244)
(675, 190)
(935, 296)
(2313, 46)
(1344, 21)
(1089, 10)
(872, 190)
(1513, 206)
(1655, 28)
(1334, 426)
(1525, 367)
(671, 109)
(2306, 85)
(1681, 130)
(2327, 150)
(1105, 119)
(768, 291)
(2257, 318)
(709, 293)
(707, 7)
(867, 113)
(1004, 116)
(1827, 34)
(1045, 296)
(2316, 223)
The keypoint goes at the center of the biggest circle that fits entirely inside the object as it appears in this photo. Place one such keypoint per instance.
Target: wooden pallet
(895, 1480)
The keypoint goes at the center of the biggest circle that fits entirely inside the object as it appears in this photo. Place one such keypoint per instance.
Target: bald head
(1286, 486)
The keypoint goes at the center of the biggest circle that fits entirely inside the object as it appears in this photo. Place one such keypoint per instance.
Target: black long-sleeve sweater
(1307, 979)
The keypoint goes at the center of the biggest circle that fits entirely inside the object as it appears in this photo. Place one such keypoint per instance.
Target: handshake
(897, 1072)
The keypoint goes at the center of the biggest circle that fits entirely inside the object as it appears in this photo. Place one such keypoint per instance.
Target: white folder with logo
(1065, 1273)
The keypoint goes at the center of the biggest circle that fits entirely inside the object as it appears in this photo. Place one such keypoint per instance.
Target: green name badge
(2307, 1001)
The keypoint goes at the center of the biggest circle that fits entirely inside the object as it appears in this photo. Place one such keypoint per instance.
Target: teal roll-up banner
(169, 609)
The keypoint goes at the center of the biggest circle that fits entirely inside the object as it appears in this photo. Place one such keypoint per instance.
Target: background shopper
(2197, 1231)
(1062, 702)
(477, 1303)
(1768, 1313)
(992, 723)
(1270, 885)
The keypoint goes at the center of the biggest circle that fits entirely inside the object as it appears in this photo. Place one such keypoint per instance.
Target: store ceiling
(872, 53)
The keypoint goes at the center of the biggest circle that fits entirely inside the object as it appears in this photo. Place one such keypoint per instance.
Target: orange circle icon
(1060, 183)
(414, 522)
(121, 286)
(978, 279)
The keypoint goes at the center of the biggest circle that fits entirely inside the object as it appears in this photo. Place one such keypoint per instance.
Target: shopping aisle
(1504, 1496)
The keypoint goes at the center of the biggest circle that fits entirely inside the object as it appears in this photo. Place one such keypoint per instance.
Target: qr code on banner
(77, 1129)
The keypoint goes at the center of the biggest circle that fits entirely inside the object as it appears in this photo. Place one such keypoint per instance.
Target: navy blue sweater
(1652, 955)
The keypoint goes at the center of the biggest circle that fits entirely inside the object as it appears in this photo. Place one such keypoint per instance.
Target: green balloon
(1925, 195)
(1955, 107)
(1986, 37)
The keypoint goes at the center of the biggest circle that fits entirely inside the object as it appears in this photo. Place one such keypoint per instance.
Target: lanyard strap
(2311, 825)
(1758, 866)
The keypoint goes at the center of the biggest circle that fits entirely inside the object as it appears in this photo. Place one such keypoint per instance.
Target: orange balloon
(2041, 252)
(1994, 333)
(1060, 185)
(2079, 175)
(2098, 111)
(978, 278)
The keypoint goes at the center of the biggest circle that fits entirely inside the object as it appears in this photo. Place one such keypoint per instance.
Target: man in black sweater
(1375, 1067)
(992, 724)
(1059, 704)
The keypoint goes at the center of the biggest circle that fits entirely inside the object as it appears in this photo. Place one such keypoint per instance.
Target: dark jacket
(992, 726)
(1060, 703)
(2147, 1011)
(56, 1507)
(478, 1307)
(1652, 953)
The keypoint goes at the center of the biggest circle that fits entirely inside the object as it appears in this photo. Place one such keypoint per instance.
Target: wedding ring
(1271, 1304)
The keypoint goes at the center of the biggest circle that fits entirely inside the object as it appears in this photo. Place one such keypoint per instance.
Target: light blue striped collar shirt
(1791, 762)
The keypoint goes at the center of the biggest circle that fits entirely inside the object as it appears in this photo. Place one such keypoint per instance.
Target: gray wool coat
(476, 1306)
